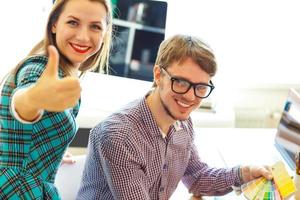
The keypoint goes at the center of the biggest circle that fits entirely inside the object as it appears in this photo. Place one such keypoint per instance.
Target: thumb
(53, 60)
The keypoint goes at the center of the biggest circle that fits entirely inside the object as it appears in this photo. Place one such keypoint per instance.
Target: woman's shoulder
(30, 69)
(36, 62)
(37, 59)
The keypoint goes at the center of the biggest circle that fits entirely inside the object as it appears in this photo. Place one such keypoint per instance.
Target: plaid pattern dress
(30, 154)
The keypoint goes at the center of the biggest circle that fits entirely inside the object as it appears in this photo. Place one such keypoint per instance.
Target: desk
(228, 147)
(221, 147)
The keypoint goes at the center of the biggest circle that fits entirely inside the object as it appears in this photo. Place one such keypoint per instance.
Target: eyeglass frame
(194, 85)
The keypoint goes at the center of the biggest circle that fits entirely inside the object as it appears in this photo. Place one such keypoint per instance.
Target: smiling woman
(79, 32)
(40, 98)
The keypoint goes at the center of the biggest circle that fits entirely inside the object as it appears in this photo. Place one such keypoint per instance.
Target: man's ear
(156, 74)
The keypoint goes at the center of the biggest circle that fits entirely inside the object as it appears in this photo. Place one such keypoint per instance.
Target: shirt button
(161, 189)
(165, 166)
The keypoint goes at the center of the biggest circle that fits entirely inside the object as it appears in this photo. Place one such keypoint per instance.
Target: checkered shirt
(30, 153)
(129, 159)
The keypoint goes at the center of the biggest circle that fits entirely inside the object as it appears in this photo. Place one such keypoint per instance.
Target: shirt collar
(150, 121)
(177, 127)
(148, 118)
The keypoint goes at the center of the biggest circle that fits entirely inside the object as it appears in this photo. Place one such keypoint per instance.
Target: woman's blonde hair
(98, 60)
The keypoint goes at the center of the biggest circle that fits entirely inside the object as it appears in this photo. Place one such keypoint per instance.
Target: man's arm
(201, 179)
(122, 166)
(204, 180)
(112, 169)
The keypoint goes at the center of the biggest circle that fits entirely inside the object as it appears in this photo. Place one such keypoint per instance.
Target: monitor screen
(288, 132)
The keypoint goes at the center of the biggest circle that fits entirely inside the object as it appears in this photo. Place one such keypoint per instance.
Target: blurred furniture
(139, 30)
(68, 178)
(228, 147)
(219, 147)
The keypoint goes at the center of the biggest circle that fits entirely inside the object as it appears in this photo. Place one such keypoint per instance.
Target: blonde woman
(40, 98)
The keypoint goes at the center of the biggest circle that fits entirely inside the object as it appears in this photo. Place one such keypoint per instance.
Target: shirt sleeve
(17, 116)
(201, 179)
(123, 169)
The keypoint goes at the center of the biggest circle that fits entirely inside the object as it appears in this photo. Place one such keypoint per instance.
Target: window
(22, 26)
(255, 41)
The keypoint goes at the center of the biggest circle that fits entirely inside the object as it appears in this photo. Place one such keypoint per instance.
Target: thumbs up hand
(51, 92)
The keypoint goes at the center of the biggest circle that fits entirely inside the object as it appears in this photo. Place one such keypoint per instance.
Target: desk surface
(228, 147)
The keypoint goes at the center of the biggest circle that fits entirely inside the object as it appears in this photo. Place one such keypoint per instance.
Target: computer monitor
(287, 139)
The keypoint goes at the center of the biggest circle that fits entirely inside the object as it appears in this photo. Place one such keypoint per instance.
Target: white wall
(257, 46)
(250, 37)
(256, 43)
(22, 26)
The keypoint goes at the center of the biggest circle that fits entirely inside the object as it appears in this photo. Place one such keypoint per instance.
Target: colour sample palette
(282, 180)
(252, 189)
(281, 187)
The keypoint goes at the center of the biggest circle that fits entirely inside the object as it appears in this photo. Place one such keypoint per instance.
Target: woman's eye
(96, 27)
(72, 22)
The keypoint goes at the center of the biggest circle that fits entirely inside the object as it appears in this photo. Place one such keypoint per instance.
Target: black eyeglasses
(182, 86)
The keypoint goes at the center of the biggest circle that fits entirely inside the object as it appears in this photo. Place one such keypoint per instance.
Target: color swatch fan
(281, 187)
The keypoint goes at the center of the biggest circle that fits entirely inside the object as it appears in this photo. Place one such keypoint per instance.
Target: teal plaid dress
(30, 154)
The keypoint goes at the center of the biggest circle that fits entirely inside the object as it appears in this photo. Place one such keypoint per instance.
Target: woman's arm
(48, 93)
(24, 106)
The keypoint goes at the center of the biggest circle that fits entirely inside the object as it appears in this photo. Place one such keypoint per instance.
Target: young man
(145, 149)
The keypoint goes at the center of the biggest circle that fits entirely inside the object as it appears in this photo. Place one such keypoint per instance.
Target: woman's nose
(82, 34)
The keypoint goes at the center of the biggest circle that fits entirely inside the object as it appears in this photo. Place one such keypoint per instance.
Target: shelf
(137, 26)
(139, 30)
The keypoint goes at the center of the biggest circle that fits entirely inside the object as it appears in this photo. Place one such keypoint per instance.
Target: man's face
(179, 106)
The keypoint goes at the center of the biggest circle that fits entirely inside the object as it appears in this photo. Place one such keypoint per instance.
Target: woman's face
(80, 29)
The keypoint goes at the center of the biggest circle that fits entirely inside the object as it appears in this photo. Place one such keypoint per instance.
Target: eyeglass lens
(182, 86)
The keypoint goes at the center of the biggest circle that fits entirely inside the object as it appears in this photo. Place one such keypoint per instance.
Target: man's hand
(250, 173)
(51, 93)
(68, 159)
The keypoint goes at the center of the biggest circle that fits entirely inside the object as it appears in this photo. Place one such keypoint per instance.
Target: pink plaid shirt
(129, 158)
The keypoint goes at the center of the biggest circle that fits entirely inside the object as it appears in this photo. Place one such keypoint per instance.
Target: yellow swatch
(283, 181)
(282, 185)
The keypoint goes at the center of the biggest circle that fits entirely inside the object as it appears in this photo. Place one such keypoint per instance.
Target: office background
(256, 44)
